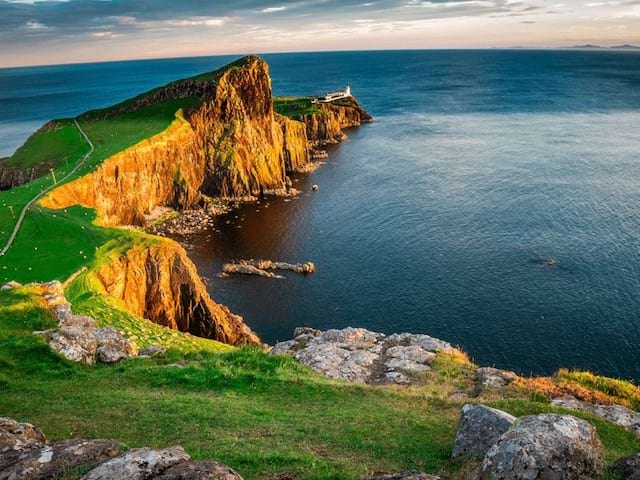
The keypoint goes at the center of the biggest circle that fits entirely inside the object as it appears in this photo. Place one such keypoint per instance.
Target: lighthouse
(347, 90)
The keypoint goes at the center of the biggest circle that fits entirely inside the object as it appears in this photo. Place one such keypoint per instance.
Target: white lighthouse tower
(347, 90)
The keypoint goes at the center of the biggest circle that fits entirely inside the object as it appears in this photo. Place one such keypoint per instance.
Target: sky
(37, 32)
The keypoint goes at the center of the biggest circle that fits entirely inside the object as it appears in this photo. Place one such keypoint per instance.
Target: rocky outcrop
(328, 127)
(25, 454)
(617, 414)
(13, 177)
(547, 446)
(489, 377)
(628, 468)
(78, 337)
(480, 428)
(161, 284)
(358, 355)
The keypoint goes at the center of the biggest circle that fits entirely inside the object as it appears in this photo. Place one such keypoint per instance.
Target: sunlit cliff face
(58, 31)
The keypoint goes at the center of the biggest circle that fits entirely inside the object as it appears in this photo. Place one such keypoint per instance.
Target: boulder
(138, 464)
(628, 468)
(112, 346)
(618, 414)
(58, 460)
(546, 447)
(75, 343)
(199, 471)
(479, 429)
(17, 436)
(407, 475)
(489, 377)
(81, 321)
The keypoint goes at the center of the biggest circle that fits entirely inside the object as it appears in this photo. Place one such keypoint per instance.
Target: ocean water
(494, 202)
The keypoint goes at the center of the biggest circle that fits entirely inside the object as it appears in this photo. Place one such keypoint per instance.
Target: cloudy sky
(63, 31)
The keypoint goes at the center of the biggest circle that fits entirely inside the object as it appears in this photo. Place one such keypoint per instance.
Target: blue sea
(494, 202)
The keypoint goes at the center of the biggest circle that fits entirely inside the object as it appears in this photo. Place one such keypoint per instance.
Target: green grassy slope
(262, 415)
(57, 143)
(294, 106)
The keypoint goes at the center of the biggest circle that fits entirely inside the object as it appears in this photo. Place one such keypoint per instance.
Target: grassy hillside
(267, 417)
(294, 106)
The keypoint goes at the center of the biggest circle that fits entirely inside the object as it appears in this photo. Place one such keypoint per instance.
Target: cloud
(30, 28)
(281, 8)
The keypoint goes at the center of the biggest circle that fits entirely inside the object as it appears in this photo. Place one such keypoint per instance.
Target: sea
(493, 203)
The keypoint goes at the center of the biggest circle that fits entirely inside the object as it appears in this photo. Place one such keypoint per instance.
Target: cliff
(231, 144)
(161, 284)
(328, 126)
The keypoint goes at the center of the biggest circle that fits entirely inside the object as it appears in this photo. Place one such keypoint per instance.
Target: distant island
(626, 46)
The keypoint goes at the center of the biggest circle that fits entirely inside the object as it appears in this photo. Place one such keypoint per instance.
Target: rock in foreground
(479, 429)
(25, 454)
(628, 468)
(359, 355)
(546, 447)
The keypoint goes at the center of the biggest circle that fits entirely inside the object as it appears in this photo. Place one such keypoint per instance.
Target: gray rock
(17, 436)
(359, 355)
(628, 468)
(75, 343)
(152, 351)
(199, 471)
(546, 447)
(489, 377)
(138, 464)
(58, 460)
(479, 429)
(112, 346)
(408, 475)
(617, 414)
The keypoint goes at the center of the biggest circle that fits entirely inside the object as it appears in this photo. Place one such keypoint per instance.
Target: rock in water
(546, 447)
(479, 429)
(628, 468)
(139, 464)
(247, 270)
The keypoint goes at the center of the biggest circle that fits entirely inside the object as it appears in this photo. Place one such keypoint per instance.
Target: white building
(332, 96)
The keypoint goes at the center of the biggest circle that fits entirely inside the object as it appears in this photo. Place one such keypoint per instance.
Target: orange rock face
(161, 284)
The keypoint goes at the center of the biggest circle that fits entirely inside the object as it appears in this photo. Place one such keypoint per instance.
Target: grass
(265, 416)
(52, 244)
(58, 142)
(294, 107)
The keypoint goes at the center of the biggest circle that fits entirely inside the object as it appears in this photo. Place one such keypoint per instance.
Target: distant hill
(598, 47)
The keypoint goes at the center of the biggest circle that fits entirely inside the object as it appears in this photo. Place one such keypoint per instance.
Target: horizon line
(593, 47)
